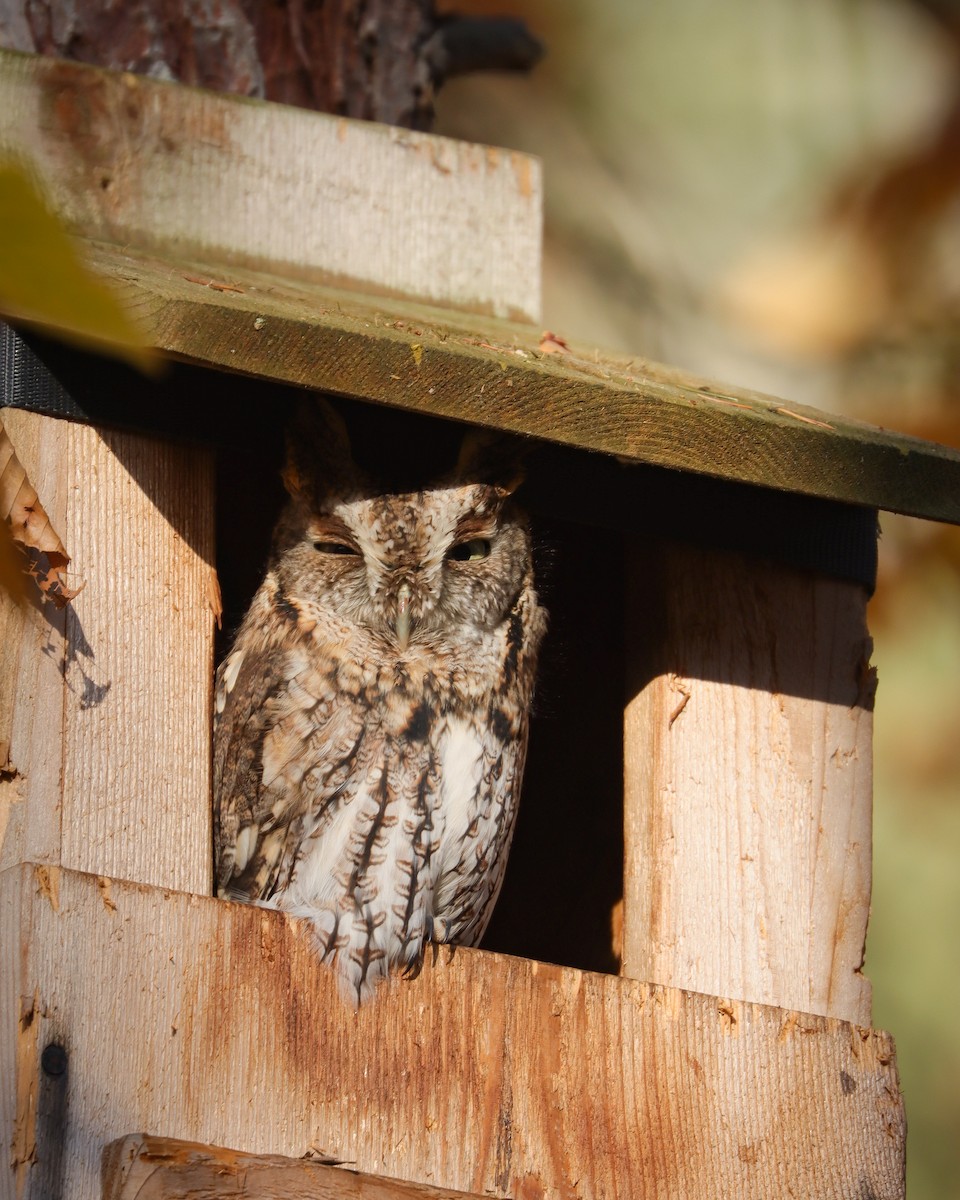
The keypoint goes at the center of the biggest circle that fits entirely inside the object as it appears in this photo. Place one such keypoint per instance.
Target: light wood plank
(168, 169)
(748, 762)
(32, 658)
(108, 703)
(233, 180)
(140, 1167)
(18, 1061)
(495, 374)
(137, 716)
(216, 1023)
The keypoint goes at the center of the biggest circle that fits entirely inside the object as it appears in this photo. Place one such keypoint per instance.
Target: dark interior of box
(565, 872)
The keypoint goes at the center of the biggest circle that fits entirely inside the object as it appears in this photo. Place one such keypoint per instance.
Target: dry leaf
(551, 344)
(12, 568)
(44, 554)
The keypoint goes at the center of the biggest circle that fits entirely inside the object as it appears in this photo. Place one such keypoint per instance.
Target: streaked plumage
(371, 719)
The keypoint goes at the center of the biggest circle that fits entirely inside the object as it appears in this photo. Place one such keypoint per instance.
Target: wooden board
(215, 1023)
(217, 187)
(140, 1167)
(110, 709)
(231, 180)
(498, 375)
(748, 789)
(31, 670)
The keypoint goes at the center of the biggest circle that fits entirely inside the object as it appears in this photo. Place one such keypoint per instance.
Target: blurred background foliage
(768, 193)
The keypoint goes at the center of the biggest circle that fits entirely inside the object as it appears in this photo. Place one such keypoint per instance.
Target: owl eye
(335, 548)
(471, 551)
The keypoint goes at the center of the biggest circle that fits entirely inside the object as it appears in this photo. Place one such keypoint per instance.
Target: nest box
(672, 1003)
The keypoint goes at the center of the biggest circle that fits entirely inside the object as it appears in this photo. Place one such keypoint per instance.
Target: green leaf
(44, 282)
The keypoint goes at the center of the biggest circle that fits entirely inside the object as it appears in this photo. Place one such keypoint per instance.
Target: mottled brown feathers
(371, 719)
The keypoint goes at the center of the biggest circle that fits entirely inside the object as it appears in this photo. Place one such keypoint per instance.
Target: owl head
(414, 564)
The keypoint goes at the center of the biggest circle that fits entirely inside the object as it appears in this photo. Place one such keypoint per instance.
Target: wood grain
(166, 169)
(493, 374)
(231, 180)
(748, 763)
(136, 767)
(216, 1023)
(108, 704)
(140, 1167)
(18, 1062)
(31, 671)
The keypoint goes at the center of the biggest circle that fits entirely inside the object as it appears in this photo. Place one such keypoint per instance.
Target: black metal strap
(844, 545)
(26, 383)
(46, 376)
(806, 532)
(809, 533)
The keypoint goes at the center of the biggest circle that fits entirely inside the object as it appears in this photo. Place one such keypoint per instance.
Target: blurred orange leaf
(44, 281)
(551, 344)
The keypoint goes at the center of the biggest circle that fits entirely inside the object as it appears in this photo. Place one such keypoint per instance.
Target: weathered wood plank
(216, 1023)
(748, 781)
(32, 663)
(18, 1052)
(232, 180)
(108, 703)
(140, 1167)
(167, 168)
(137, 715)
(495, 375)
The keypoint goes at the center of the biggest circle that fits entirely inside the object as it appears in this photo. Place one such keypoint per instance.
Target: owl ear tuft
(492, 458)
(319, 460)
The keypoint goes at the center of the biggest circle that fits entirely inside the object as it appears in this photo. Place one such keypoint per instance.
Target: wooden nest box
(702, 747)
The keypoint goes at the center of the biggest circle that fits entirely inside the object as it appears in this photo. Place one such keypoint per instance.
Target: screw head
(53, 1060)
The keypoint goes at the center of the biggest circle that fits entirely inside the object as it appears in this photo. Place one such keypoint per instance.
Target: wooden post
(31, 677)
(109, 702)
(748, 781)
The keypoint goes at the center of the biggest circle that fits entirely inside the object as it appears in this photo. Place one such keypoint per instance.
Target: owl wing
(474, 856)
(286, 750)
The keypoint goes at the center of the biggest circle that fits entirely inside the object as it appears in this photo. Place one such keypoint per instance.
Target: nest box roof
(242, 306)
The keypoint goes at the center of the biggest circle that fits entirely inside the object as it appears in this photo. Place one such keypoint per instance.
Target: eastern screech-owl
(371, 719)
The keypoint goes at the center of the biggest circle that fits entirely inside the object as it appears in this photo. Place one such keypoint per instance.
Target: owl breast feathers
(371, 719)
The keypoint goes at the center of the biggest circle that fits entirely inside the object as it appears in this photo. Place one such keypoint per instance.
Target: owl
(371, 719)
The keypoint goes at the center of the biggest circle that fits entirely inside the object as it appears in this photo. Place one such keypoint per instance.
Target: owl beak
(402, 624)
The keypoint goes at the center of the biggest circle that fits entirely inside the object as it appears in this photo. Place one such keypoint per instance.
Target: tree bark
(378, 60)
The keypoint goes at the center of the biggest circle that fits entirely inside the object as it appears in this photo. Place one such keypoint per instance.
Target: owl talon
(413, 968)
(441, 933)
